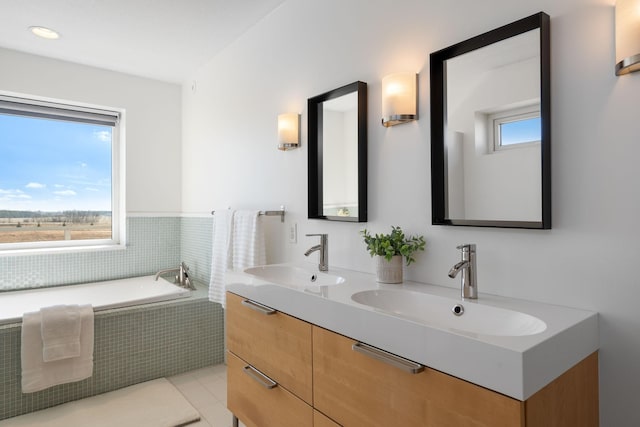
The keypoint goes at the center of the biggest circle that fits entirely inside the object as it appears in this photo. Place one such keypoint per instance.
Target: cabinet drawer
(277, 344)
(355, 389)
(257, 402)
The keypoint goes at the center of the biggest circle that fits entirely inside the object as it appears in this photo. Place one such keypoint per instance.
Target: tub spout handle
(183, 277)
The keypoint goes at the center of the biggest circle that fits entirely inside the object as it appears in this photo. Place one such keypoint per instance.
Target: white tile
(196, 394)
(217, 415)
(220, 369)
(208, 372)
(217, 387)
(181, 379)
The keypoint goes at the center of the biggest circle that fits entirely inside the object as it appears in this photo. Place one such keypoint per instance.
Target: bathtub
(101, 295)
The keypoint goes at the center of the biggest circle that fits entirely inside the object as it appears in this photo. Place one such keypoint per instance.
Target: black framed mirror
(337, 160)
(491, 128)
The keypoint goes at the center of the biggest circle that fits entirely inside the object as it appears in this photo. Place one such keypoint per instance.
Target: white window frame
(495, 120)
(36, 106)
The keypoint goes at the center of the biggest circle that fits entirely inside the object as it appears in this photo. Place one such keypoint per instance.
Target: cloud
(91, 189)
(83, 164)
(35, 185)
(11, 192)
(104, 136)
(8, 195)
(65, 193)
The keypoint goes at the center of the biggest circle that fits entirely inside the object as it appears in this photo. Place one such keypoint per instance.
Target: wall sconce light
(399, 98)
(627, 36)
(288, 131)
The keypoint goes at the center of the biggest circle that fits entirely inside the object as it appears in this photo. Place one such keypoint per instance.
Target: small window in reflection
(515, 128)
(520, 131)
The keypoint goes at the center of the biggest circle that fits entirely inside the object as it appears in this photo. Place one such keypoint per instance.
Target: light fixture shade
(399, 98)
(288, 131)
(627, 36)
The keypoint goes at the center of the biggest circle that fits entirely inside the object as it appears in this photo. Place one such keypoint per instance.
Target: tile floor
(206, 390)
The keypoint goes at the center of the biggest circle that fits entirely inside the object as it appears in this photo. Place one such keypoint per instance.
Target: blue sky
(520, 131)
(52, 165)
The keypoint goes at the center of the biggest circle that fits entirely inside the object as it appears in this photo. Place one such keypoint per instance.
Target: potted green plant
(389, 250)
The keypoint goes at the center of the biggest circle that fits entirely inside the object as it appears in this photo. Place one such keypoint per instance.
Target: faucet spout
(456, 268)
(312, 249)
(165, 271)
(468, 279)
(323, 248)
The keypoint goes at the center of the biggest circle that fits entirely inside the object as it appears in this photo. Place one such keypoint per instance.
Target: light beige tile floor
(206, 390)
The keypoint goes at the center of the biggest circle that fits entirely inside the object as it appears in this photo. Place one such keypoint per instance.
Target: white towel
(247, 240)
(38, 374)
(221, 254)
(60, 331)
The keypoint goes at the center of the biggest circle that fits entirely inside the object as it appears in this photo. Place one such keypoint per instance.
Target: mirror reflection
(490, 135)
(338, 154)
(493, 131)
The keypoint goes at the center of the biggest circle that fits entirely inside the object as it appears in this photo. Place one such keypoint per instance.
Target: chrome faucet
(182, 278)
(323, 248)
(468, 280)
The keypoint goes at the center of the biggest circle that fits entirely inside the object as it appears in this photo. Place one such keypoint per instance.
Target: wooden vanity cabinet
(269, 376)
(327, 380)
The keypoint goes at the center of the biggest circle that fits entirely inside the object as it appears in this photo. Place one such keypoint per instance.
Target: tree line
(73, 216)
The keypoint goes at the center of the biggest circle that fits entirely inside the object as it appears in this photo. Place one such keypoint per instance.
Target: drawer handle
(261, 378)
(258, 307)
(391, 359)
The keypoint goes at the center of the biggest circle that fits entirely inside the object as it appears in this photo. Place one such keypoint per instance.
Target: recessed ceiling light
(44, 32)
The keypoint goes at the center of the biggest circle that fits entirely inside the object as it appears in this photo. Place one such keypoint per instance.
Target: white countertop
(517, 366)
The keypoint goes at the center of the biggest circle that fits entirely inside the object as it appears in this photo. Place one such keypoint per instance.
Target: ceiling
(159, 39)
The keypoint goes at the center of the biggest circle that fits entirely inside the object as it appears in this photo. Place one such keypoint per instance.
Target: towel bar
(279, 213)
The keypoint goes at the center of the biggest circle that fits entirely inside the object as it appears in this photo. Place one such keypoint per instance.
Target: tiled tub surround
(196, 235)
(132, 345)
(153, 243)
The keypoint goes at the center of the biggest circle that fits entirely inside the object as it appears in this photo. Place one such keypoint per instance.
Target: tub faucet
(468, 280)
(182, 278)
(323, 248)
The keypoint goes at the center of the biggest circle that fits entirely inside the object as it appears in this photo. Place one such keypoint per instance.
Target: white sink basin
(294, 277)
(438, 312)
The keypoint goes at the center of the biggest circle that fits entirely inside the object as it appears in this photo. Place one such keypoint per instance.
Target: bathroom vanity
(306, 355)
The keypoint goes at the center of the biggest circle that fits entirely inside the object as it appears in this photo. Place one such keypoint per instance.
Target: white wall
(307, 47)
(153, 125)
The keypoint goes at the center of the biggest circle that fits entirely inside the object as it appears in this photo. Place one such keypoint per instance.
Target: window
(59, 174)
(515, 128)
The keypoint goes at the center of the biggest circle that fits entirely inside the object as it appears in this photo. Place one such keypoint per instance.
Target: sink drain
(314, 278)
(458, 310)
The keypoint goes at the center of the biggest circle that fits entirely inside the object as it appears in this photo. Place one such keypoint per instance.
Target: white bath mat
(155, 403)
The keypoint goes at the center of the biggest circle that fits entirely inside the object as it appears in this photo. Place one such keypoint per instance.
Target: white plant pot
(389, 271)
